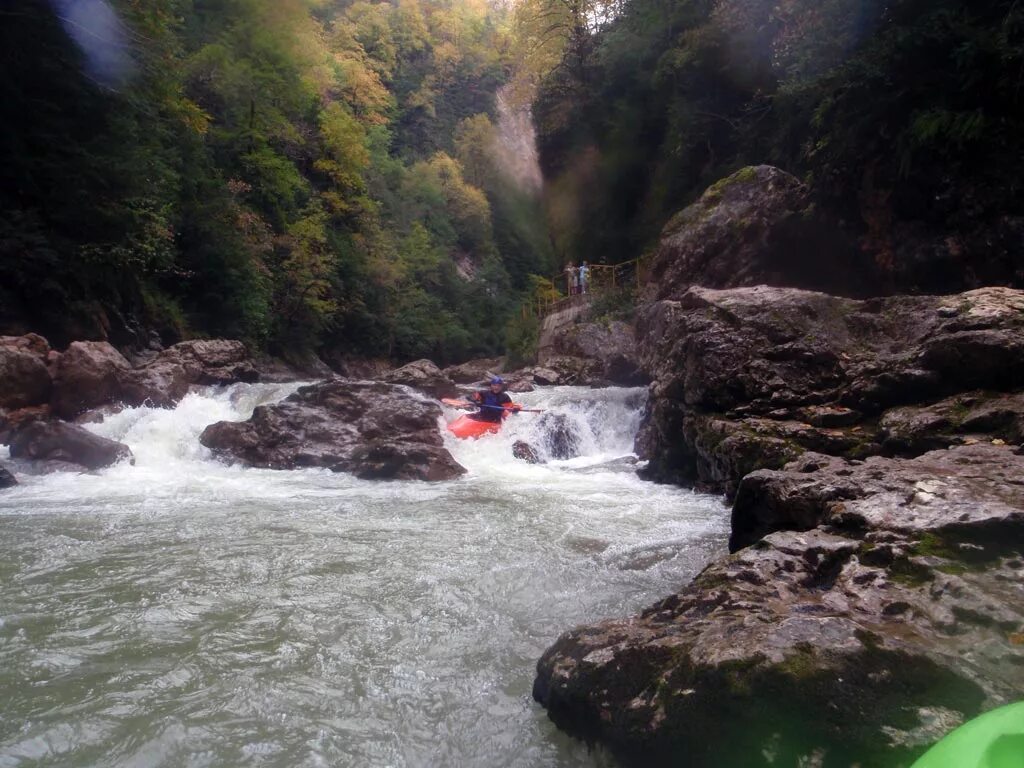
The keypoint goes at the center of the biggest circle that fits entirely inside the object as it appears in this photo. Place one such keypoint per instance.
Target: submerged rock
(523, 450)
(372, 429)
(57, 441)
(561, 440)
(901, 598)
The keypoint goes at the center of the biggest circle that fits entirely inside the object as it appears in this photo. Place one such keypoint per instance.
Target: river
(182, 612)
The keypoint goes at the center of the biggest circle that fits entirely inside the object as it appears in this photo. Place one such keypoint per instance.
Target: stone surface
(92, 374)
(374, 430)
(523, 450)
(57, 441)
(24, 377)
(752, 377)
(606, 353)
(7, 480)
(89, 374)
(477, 371)
(757, 226)
(425, 376)
(834, 645)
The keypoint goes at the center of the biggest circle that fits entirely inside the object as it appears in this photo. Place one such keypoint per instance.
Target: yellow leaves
(345, 143)
(195, 118)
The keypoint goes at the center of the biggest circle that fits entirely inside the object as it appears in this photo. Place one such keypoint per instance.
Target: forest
(305, 176)
(330, 176)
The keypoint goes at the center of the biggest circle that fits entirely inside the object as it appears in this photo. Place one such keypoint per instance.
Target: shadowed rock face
(889, 617)
(371, 429)
(6, 479)
(752, 377)
(757, 226)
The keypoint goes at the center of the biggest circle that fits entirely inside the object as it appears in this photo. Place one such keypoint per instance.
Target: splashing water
(186, 612)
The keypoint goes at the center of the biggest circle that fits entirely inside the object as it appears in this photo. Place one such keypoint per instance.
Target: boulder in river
(523, 450)
(882, 607)
(165, 380)
(424, 376)
(24, 378)
(374, 430)
(57, 441)
(475, 371)
(6, 479)
(89, 374)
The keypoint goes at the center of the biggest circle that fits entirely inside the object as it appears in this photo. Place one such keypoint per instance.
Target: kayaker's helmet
(497, 381)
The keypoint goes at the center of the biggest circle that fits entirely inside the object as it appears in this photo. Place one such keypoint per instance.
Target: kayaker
(492, 401)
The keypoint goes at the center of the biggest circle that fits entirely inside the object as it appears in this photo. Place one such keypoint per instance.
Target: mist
(101, 36)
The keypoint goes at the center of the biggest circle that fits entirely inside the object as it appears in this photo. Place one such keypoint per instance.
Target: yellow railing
(602, 278)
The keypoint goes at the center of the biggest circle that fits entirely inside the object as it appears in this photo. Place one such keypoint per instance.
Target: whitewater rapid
(184, 612)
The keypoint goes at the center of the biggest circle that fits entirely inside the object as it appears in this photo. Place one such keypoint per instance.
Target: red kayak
(465, 427)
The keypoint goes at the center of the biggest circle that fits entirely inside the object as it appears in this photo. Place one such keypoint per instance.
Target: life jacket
(496, 401)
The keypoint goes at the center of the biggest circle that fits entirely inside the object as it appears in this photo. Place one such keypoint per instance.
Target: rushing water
(181, 612)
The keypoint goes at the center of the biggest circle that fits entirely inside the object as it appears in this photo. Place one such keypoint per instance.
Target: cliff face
(873, 600)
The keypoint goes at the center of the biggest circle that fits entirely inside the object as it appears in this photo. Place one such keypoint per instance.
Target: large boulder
(884, 609)
(165, 380)
(89, 374)
(57, 441)
(475, 371)
(24, 378)
(372, 429)
(6, 479)
(424, 376)
(606, 353)
(757, 226)
(752, 377)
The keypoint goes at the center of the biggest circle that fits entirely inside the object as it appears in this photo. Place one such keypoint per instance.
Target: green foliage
(283, 171)
(894, 112)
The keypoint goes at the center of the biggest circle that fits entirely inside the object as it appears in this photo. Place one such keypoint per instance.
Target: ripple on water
(184, 612)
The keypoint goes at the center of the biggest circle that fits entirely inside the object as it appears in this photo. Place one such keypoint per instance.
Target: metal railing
(602, 279)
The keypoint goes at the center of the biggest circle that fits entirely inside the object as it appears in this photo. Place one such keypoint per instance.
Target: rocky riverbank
(871, 449)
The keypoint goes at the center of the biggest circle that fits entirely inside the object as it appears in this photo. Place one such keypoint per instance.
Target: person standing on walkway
(572, 279)
(584, 282)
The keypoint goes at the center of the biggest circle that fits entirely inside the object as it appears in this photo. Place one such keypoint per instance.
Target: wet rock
(166, 379)
(972, 416)
(523, 450)
(361, 368)
(561, 440)
(425, 376)
(12, 421)
(6, 479)
(752, 377)
(89, 374)
(475, 371)
(58, 441)
(901, 598)
(604, 353)
(374, 430)
(24, 377)
(757, 226)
